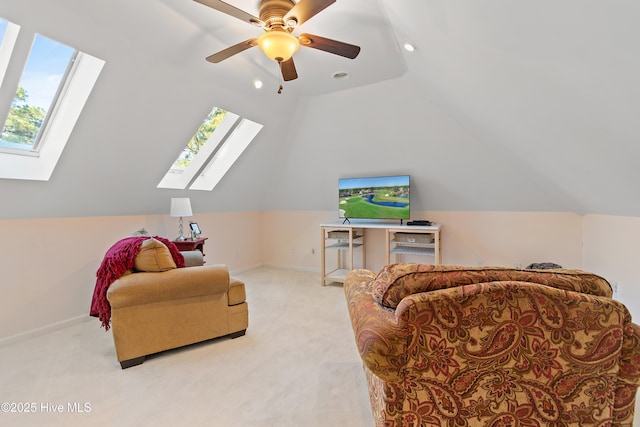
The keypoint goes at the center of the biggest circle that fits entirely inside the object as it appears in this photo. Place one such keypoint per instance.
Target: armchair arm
(381, 341)
(630, 357)
(179, 283)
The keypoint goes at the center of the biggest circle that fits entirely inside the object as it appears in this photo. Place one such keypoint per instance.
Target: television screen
(382, 197)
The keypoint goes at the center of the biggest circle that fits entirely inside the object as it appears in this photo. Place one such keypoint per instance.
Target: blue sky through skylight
(45, 68)
(3, 28)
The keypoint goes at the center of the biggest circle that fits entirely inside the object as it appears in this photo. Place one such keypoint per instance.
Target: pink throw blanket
(119, 258)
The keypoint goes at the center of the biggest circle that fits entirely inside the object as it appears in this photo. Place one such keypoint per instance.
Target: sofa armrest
(192, 258)
(237, 294)
(381, 341)
(179, 283)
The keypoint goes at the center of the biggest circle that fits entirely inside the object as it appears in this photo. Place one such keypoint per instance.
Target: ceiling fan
(278, 19)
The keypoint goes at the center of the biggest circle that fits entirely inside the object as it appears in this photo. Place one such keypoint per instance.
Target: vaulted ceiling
(526, 106)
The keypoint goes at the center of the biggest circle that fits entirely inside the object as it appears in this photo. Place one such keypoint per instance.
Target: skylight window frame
(57, 100)
(7, 45)
(18, 164)
(181, 179)
(81, 75)
(238, 140)
(34, 148)
(225, 145)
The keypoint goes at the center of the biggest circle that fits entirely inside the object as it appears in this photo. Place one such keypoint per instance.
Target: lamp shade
(278, 45)
(180, 206)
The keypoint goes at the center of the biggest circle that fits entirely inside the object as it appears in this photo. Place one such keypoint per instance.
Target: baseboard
(83, 318)
(244, 269)
(293, 267)
(43, 330)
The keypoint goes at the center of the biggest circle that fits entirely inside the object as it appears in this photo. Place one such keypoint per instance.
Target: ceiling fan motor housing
(273, 11)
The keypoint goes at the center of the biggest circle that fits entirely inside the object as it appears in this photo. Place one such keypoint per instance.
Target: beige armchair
(156, 311)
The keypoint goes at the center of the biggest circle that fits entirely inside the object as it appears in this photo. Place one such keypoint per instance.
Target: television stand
(344, 239)
(420, 240)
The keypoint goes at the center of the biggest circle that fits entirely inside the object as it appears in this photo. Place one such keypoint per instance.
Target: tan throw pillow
(154, 256)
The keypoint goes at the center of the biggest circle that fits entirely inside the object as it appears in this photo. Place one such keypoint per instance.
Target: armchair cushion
(396, 281)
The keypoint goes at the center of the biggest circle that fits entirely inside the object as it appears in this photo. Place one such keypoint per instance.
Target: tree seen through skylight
(200, 138)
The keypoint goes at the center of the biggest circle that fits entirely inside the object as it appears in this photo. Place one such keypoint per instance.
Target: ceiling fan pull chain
(281, 78)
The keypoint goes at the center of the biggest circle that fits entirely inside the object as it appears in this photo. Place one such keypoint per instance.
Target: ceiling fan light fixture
(278, 45)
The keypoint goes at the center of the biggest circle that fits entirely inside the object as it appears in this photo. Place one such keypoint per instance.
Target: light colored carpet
(297, 366)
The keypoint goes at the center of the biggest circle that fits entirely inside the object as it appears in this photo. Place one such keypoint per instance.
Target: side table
(191, 245)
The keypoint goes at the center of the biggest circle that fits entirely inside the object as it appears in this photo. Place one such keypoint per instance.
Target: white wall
(612, 249)
(508, 239)
(48, 265)
(603, 244)
(511, 239)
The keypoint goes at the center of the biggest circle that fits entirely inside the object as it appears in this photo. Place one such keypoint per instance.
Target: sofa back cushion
(396, 281)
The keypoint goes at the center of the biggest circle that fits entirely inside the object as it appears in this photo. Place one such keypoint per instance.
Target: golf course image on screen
(385, 197)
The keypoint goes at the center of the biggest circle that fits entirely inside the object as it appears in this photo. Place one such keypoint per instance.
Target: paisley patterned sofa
(456, 346)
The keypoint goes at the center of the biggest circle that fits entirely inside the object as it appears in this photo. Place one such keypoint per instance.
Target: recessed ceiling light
(257, 84)
(340, 75)
(409, 47)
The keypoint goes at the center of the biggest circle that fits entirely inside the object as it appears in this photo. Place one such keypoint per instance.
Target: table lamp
(180, 207)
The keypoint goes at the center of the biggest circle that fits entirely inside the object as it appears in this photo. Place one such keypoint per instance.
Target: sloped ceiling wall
(154, 91)
(526, 106)
(505, 106)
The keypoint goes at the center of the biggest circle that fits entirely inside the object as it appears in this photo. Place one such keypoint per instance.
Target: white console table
(400, 239)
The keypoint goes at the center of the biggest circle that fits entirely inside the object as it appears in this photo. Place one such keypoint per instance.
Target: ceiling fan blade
(328, 45)
(307, 9)
(230, 51)
(232, 11)
(288, 69)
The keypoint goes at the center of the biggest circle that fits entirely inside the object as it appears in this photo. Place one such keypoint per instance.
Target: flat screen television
(379, 197)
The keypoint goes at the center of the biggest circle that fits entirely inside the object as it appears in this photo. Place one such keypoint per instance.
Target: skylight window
(41, 83)
(48, 92)
(199, 139)
(218, 142)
